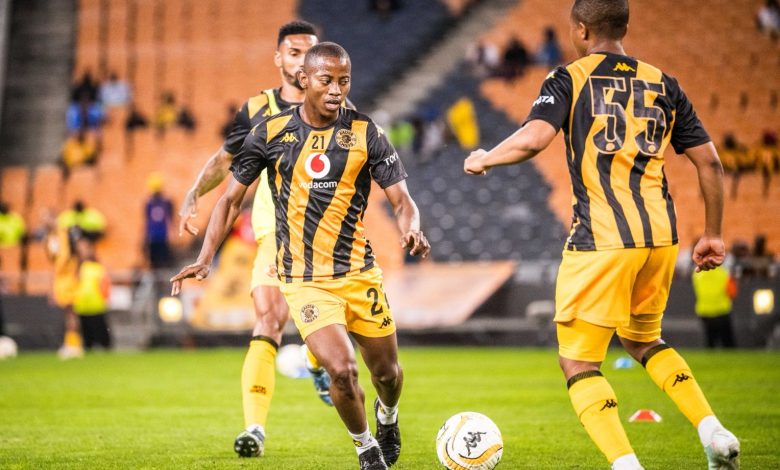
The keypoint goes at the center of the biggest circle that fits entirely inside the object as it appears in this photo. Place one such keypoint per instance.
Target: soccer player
(321, 158)
(259, 374)
(618, 115)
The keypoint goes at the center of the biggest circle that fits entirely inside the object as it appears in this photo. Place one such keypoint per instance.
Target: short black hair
(295, 27)
(325, 49)
(606, 18)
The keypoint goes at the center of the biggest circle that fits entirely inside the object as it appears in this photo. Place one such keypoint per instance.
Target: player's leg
(258, 375)
(370, 320)
(381, 357)
(582, 348)
(641, 338)
(333, 349)
(592, 297)
(319, 312)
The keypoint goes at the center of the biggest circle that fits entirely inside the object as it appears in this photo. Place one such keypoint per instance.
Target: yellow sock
(672, 375)
(258, 379)
(596, 406)
(312, 360)
(72, 339)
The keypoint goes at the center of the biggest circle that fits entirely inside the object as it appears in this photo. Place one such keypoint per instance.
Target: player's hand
(416, 243)
(198, 270)
(189, 210)
(708, 253)
(473, 164)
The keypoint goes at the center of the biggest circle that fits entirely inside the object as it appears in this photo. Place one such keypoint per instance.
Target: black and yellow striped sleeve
(251, 160)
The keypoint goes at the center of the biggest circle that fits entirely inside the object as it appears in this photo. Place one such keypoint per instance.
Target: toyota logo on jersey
(317, 165)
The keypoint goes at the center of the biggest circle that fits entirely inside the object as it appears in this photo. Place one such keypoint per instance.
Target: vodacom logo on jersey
(317, 166)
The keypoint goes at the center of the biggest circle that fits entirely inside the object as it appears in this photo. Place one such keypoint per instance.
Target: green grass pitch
(182, 409)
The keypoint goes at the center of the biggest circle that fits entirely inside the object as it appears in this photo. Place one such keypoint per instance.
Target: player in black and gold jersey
(618, 115)
(271, 312)
(321, 159)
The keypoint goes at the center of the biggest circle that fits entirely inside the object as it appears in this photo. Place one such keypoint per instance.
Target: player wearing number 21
(618, 115)
(321, 159)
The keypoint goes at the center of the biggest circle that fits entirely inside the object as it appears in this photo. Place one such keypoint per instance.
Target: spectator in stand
(166, 115)
(549, 53)
(114, 92)
(90, 300)
(715, 289)
(135, 119)
(515, 60)
(79, 149)
(84, 115)
(12, 227)
(760, 262)
(186, 120)
(484, 59)
(401, 135)
(85, 89)
(385, 8)
(90, 222)
(768, 19)
(158, 216)
(768, 158)
(734, 157)
(224, 131)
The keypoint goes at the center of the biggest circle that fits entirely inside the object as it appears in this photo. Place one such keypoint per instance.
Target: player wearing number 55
(321, 159)
(618, 115)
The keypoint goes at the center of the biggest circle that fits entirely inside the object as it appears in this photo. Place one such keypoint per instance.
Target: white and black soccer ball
(8, 348)
(290, 362)
(469, 441)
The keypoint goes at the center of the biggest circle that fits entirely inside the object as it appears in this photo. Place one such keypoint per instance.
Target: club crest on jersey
(317, 165)
(309, 313)
(346, 139)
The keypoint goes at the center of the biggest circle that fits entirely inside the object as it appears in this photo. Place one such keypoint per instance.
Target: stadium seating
(727, 77)
(504, 216)
(379, 48)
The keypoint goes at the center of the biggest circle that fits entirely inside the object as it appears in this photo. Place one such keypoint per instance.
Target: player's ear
(278, 58)
(583, 31)
(303, 79)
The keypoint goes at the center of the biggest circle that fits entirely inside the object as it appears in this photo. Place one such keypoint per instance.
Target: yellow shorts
(357, 301)
(598, 292)
(265, 262)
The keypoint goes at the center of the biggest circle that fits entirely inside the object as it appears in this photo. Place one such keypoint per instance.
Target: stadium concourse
(209, 54)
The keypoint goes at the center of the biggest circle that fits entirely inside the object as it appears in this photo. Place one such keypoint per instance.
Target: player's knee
(387, 374)
(344, 377)
(637, 349)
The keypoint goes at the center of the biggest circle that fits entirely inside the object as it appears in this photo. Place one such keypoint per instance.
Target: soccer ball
(289, 362)
(469, 441)
(7, 348)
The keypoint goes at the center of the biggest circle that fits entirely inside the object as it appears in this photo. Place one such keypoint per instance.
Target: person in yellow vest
(90, 300)
(59, 247)
(714, 290)
(90, 221)
(12, 228)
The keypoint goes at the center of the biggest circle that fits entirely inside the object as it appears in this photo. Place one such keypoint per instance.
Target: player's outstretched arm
(210, 176)
(524, 144)
(710, 251)
(222, 219)
(408, 218)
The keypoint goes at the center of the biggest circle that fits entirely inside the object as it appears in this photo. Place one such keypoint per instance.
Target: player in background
(320, 159)
(258, 375)
(618, 115)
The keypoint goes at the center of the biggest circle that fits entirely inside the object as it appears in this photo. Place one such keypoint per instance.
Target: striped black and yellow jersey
(320, 180)
(256, 109)
(618, 115)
